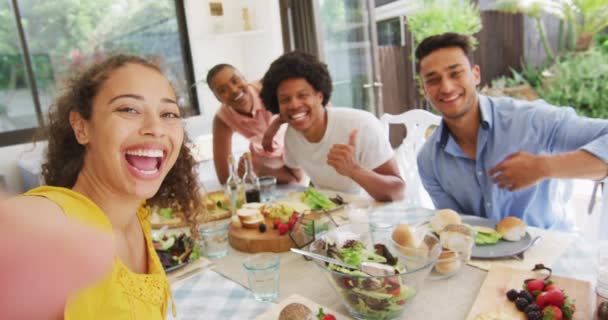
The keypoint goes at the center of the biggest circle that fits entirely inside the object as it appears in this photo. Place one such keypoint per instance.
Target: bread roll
(250, 218)
(403, 236)
(409, 241)
(511, 228)
(449, 262)
(457, 237)
(296, 311)
(444, 217)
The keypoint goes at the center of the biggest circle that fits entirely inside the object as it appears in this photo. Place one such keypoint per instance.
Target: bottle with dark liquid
(250, 181)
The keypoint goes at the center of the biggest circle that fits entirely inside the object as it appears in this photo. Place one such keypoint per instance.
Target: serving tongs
(369, 268)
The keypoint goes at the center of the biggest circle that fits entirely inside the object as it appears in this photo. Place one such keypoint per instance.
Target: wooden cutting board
(252, 240)
(500, 279)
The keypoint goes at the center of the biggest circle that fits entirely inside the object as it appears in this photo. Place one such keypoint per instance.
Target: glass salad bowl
(382, 281)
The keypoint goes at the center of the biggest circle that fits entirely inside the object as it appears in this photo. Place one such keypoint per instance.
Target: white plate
(502, 248)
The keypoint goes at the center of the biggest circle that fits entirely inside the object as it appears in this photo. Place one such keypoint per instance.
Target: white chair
(603, 225)
(417, 122)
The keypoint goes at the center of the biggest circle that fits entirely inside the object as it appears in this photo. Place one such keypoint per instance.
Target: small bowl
(449, 263)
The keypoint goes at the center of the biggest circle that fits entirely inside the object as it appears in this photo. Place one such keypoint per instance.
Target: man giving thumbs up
(341, 149)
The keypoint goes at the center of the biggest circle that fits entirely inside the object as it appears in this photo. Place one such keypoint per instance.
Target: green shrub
(579, 80)
(432, 17)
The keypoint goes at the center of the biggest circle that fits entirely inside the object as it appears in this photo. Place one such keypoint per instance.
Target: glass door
(347, 43)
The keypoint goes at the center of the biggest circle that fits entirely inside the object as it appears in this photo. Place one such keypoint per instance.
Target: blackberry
(526, 295)
(521, 303)
(532, 307)
(534, 315)
(262, 227)
(512, 295)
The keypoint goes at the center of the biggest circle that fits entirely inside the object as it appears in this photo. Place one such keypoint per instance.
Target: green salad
(316, 200)
(381, 297)
(486, 236)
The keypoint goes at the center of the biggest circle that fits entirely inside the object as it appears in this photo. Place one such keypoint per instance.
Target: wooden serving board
(252, 240)
(500, 279)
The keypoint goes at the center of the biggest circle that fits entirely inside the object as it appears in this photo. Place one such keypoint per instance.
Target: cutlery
(368, 268)
(323, 258)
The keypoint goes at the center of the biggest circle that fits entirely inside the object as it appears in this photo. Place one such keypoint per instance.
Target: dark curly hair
(295, 64)
(215, 70)
(65, 156)
(440, 41)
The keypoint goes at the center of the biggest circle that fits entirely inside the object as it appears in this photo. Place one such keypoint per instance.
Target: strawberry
(534, 286)
(552, 313)
(323, 316)
(554, 298)
(294, 214)
(551, 287)
(283, 228)
(540, 300)
(277, 222)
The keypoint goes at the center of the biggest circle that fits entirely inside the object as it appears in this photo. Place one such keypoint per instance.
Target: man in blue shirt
(498, 157)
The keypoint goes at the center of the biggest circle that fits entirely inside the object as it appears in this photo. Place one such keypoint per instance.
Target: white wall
(250, 52)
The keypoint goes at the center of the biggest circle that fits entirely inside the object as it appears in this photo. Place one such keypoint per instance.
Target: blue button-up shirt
(453, 180)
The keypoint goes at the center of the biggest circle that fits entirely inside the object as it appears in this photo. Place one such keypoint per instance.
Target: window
(55, 38)
(389, 32)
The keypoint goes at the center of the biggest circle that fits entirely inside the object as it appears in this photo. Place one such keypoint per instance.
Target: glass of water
(263, 275)
(214, 239)
(267, 188)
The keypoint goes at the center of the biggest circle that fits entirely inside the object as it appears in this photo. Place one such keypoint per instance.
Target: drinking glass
(267, 186)
(214, 239)
(263, 275)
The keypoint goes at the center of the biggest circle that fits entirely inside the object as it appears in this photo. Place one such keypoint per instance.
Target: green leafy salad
(486, 236)
(174, 250)
(372, 297)
(317, 200)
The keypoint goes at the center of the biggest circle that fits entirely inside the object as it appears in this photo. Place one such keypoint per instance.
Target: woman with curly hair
(341, 149)
(116, 146)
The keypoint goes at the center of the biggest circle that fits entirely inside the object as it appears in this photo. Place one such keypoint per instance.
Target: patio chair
(417, 123)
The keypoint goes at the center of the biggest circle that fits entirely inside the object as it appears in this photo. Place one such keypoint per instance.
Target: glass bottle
(250, 181)
(234, 187)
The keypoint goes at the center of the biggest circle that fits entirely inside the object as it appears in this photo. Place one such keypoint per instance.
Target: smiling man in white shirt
(341, 149)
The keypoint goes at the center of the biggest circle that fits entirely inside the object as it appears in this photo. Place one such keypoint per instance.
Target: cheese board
(492, 298)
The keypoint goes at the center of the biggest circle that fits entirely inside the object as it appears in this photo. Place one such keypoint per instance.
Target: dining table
(220, 290)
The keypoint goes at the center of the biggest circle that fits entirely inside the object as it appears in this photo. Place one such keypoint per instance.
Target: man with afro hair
(341, 149)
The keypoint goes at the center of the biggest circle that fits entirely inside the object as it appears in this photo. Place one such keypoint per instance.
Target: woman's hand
(44, 259)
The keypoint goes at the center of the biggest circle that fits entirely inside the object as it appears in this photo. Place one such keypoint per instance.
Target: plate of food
(505, 238)
(175, 250)
(216, 206)
(299, 307)
(319, 201)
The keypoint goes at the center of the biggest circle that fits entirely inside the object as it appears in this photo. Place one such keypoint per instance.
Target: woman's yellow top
(122, 294)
